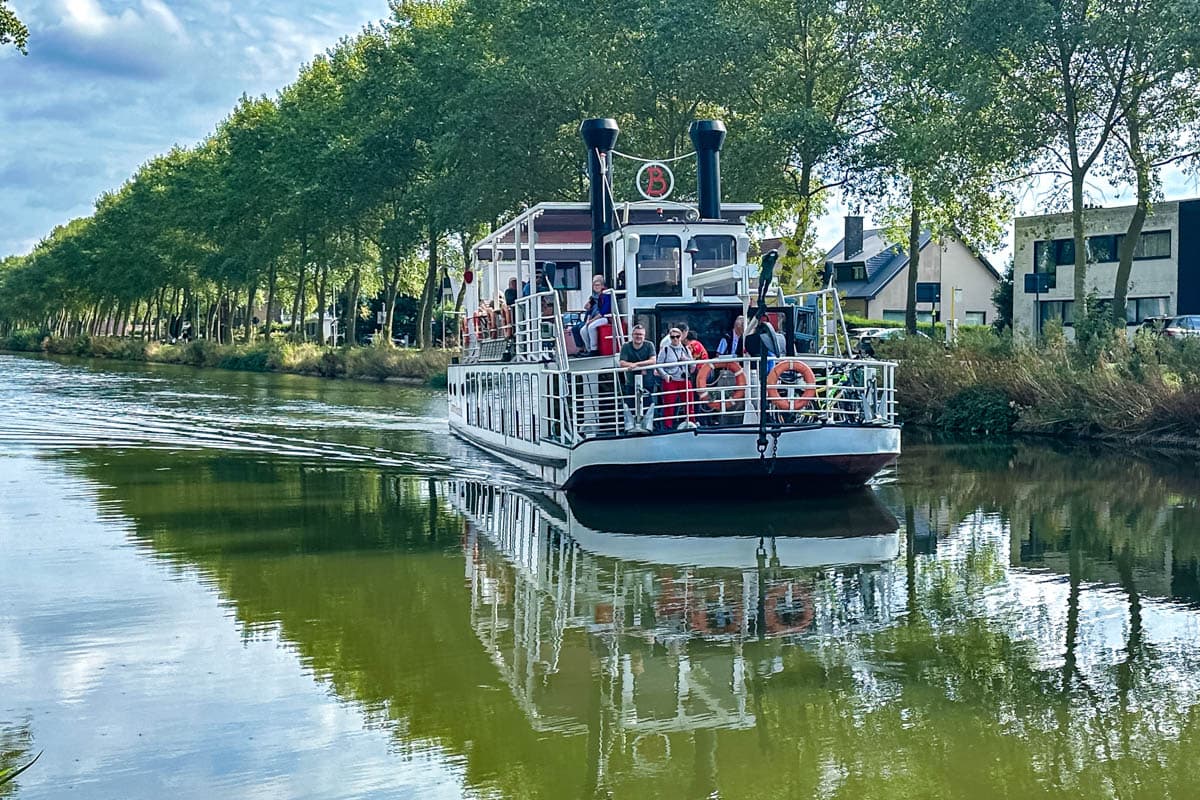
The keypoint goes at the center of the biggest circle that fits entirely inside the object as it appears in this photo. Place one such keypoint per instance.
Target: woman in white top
(675, 380)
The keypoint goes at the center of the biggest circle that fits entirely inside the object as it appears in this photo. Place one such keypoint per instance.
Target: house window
(1153, 244)
(1102, 249)
(1137, 309)
(854, 271)
(923, 317)
(1051, 254)
(1058, 310)
(658, 266)
(714, 252)
(975, 318)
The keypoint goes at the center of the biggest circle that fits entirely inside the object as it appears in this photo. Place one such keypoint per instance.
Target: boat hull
(797, 460)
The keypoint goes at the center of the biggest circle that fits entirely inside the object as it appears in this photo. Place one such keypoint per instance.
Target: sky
(109, 84)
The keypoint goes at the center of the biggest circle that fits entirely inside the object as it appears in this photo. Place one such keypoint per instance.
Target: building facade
(953, 282)
(1165, 279)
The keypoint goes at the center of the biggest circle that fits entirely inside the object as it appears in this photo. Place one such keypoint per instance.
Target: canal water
(218, 584)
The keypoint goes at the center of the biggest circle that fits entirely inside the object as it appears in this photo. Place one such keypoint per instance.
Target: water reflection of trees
(16, 753)
(949, 675)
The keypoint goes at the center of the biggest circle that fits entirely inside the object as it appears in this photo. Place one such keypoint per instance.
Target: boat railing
(723, 393)
(538, 329)
(833, 337)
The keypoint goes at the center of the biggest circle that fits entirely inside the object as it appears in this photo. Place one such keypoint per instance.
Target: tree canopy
(369, 175)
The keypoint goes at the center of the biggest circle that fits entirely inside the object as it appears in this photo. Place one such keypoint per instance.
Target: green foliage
(853, 321)
(1002, 299)
(366, 175)
(12, 30)
(25, 340)
(979, 409)
(365, 363)
(1149, 389)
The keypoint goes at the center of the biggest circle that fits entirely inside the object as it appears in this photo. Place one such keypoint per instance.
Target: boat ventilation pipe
(708, 135)
(600, 136)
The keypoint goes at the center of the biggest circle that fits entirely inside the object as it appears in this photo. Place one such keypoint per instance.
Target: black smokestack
(707, 137)
(600, 136)
(854, 236)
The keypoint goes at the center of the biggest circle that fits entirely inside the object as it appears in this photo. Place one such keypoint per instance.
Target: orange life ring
(727, 399)
(785, 402)
(771, 609)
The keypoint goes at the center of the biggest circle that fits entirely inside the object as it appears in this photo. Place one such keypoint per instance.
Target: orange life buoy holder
(790, 402)
(725, 400)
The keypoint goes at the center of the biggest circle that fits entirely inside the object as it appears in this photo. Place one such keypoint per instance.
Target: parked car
(1155, 325)
(866, 343)
(1184, 326)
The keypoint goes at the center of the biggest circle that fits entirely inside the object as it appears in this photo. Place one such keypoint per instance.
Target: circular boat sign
(655, 180)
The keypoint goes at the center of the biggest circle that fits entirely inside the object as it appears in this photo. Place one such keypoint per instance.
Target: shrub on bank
(1148, 388)
(27, 340)
(306, 358)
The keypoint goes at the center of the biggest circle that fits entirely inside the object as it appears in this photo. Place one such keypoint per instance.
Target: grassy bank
(1107, 388)
(365, 363)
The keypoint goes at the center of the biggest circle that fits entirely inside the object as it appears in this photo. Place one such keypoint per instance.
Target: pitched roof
(883, 261)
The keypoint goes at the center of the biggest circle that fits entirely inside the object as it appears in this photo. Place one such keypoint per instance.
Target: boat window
(713, 252)
(566, 275)
(658, 269)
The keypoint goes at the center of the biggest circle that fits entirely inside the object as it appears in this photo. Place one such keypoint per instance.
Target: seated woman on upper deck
(596, 314)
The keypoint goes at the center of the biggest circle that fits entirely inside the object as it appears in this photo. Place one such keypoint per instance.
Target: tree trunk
(297, 302)
(914, 263)
(320, 285)
(350, 324)
(271, 296)
(425, 315)
(393, 288)
(1080, 282)
(1134, 232)
(249, 327)
(210, 319)
(146, 317)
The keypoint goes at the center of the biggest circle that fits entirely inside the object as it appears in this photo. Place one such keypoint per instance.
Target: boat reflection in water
(678, 606)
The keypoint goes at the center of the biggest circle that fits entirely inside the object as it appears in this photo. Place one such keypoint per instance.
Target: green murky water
(230, 585)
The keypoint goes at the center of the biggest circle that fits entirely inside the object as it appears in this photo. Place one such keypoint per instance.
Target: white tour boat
(770, 393)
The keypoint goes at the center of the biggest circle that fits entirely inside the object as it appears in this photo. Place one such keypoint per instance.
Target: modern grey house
(871, 273)
(1165, 279)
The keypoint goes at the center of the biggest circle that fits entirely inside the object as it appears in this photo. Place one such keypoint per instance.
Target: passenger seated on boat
(540, 281)
(635, 353)
(597, 313)
(510, 294)
(675, 380)
(734, 342)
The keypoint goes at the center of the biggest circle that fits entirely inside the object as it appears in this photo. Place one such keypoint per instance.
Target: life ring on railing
(505, 315)
(785, 402)
(725, 400)
(482, 323)
(780, 613)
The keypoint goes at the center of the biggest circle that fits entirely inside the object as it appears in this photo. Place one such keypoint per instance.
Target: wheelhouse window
(658, 266)
(713, 252)
(566, 275)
